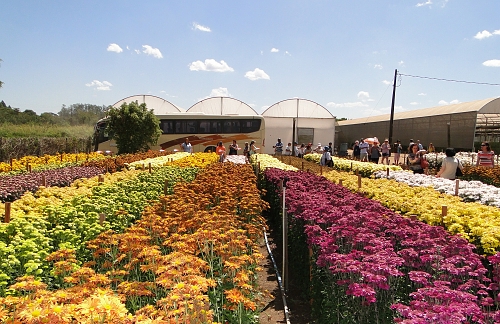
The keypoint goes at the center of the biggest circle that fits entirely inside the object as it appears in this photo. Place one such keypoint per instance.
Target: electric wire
(449, 80)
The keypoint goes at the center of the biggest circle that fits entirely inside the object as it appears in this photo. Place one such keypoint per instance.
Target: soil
(299, 311)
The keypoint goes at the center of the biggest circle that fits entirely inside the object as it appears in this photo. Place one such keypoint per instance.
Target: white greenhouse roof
(222, 106)
(485, 106)
(301, 108)
(160, 106)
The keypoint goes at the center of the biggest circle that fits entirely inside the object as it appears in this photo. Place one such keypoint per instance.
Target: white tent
(222, 106)
(313, 123)
(160, 106)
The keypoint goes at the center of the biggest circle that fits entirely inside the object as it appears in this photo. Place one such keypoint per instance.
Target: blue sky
(340, 54)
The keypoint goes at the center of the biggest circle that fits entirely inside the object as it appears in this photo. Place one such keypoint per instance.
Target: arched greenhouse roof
(484, 106)
(222, 106)
(159, 105)
(296, 107)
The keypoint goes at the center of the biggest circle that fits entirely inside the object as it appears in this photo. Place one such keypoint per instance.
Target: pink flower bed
(398, 270)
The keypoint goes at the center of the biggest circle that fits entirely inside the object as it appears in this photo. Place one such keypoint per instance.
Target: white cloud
(363, 95)
(274, 50)
(100, 86)
(128, 49)
(220, 92)
(378, 66)
(453, 102)
(210, 65)
(201, 28)
(422, 94)
(414, 103)
(256, 75)
(427, 3)
(137, 51)
(114, 48)
(386, 82)
(288, 53)
(483, 34)
(152, 51)
(492, 63)
(346, 104)
(401, 63)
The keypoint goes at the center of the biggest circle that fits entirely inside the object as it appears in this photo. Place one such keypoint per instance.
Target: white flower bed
(469, 191)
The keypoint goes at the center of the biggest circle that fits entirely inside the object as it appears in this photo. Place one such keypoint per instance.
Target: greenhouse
(462, 126)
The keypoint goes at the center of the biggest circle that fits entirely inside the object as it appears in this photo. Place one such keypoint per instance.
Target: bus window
(186, 127)
(231, 126)
(216, 127)
(250, 125)
(167, 126)
(204, 127)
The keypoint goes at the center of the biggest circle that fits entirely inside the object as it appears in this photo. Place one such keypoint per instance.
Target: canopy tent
(160, 106)
(222, 106)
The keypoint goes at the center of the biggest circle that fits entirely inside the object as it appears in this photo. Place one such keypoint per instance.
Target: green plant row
(26, 241)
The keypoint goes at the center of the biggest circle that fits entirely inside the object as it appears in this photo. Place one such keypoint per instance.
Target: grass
(34, 130)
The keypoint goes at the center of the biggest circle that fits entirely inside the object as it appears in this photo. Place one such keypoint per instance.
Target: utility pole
(391, 122)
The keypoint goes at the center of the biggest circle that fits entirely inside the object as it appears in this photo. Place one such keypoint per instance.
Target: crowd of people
(366, 150)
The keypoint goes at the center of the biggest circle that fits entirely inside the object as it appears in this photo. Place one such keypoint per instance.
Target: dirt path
(299, 310)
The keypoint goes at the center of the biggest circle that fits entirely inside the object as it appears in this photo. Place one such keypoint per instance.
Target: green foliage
(133, 127)
(9, 130)
(82, 114)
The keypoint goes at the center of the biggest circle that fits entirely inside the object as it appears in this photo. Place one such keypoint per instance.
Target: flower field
(120, 251)
(374, 265)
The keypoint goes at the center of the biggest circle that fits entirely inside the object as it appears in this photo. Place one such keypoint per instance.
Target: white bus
(203, 131)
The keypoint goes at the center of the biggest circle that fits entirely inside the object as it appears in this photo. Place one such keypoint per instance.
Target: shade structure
(222, 106)
(461, 126)
(159, 105)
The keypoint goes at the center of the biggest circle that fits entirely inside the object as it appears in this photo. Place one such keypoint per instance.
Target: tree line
(76, 114)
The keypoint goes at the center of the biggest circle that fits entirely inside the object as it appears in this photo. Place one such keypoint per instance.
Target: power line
(423, 77)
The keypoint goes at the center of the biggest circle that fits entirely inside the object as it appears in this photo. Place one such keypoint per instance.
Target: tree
(133, 127)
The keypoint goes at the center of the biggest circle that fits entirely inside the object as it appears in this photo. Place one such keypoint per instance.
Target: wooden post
(44, 180)
(387, 173)
(102, 218)
(444, 212)
(351, 166)
(359, 181)
(149, 167)
(100, 179)
(340, 182)
(7, 212)
(302, 165)
(457, 184)
(357, 172)
(413, 217)
(165, 187)
(29, 168)
(11, 163)
(143, 167)
(321, 170)
(61, 157)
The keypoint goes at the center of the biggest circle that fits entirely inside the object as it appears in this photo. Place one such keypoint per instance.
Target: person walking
(386, 149)
(398, 149)
(363, 150)
(356, 152)
(485, 157)
(221, 151)
(233, 148)
(186, 146)
(375, 152)
(278, 147)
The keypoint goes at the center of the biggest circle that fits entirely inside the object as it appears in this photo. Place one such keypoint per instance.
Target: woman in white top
(449, 166)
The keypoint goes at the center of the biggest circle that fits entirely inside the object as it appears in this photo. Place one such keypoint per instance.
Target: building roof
(484, 106)
(222, 106)
(159, 105)
(296, 107)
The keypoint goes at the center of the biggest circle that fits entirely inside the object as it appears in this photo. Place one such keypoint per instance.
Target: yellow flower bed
(478, 223)
(31, 203)
(268, 161)
(34, 161)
